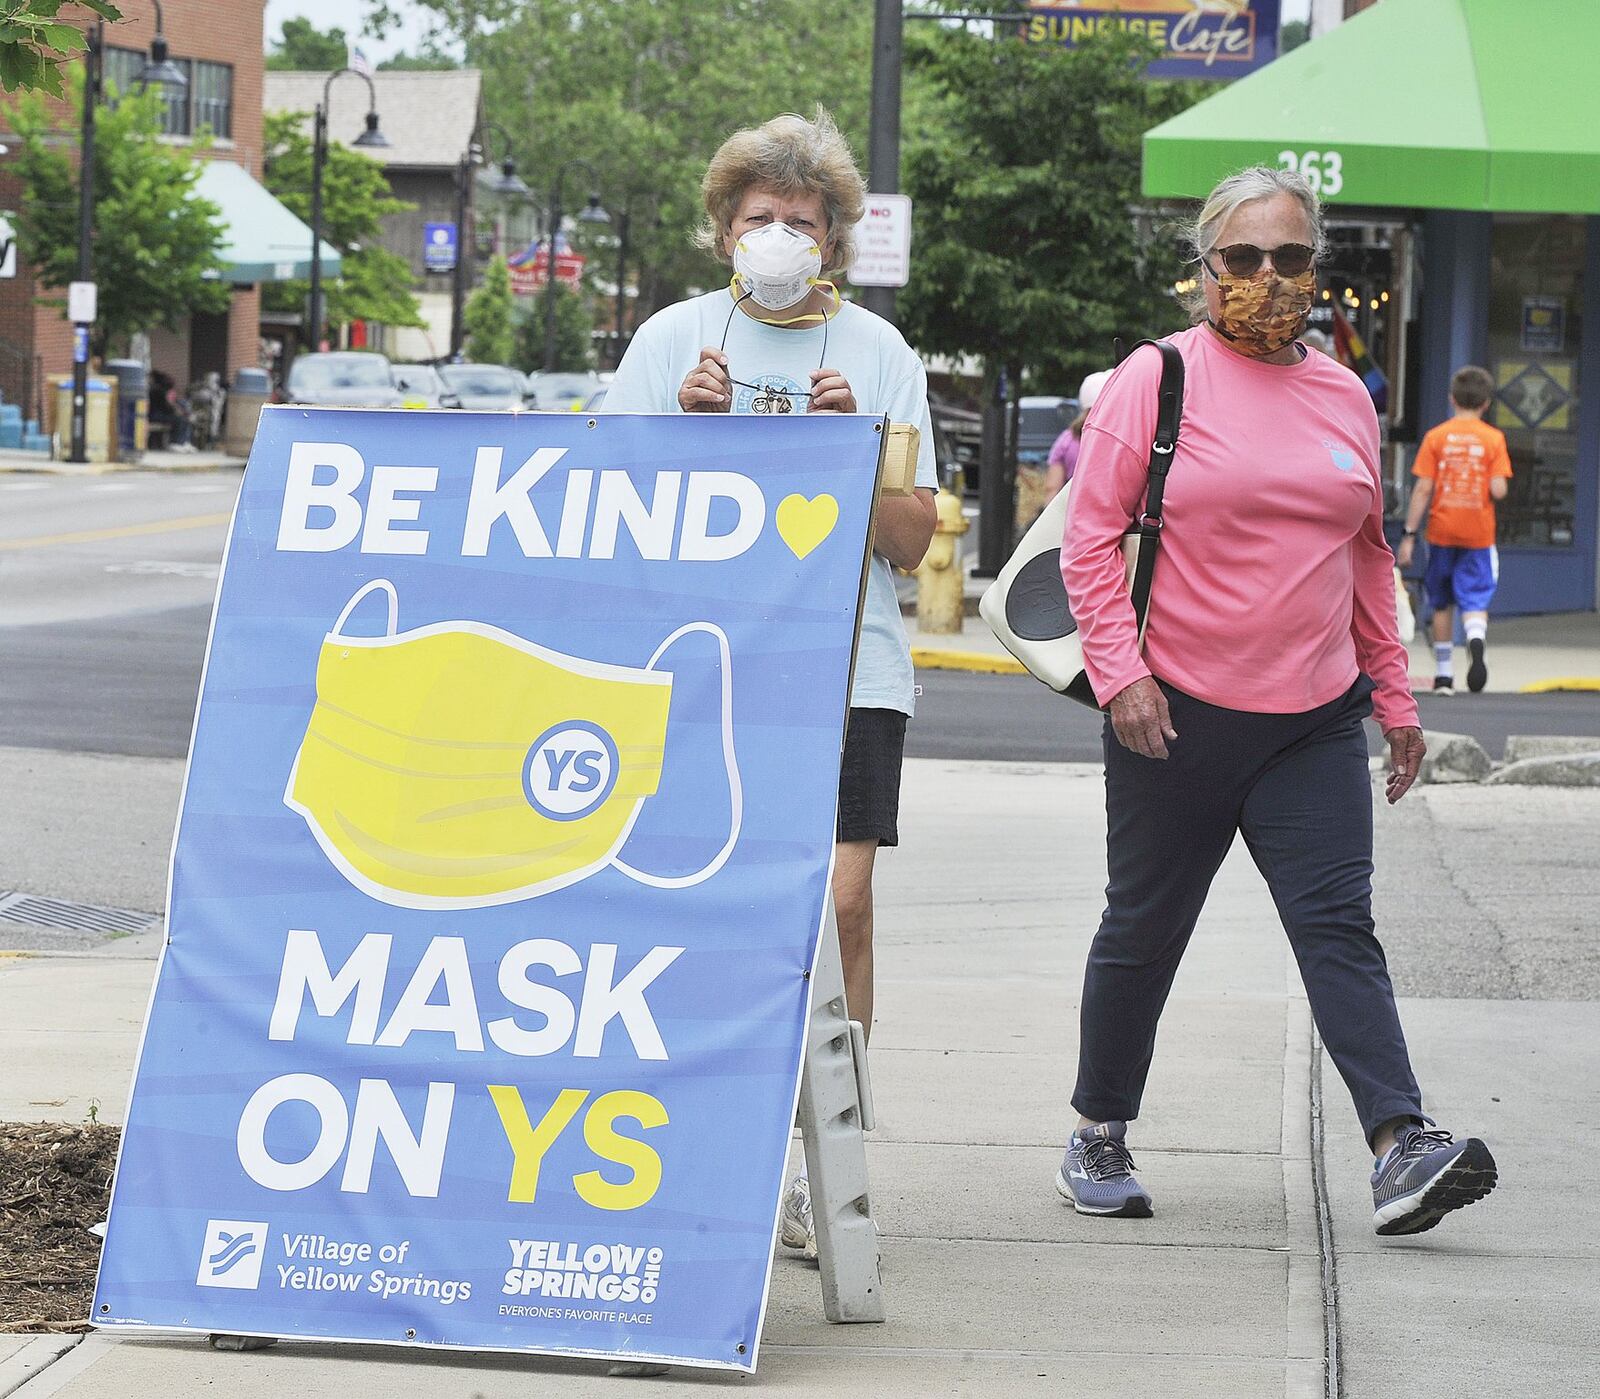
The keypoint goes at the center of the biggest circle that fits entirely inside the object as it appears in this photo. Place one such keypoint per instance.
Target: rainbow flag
(1353, 354)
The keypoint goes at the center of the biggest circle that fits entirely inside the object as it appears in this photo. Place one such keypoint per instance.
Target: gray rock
(1571, 770)
(1454, 758)
(1520, 747)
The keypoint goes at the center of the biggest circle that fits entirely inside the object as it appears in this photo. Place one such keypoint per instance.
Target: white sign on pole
(8, 248)
(82, 302)
(883, 242)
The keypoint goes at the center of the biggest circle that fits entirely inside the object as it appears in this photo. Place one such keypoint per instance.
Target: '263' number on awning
(1323, 170)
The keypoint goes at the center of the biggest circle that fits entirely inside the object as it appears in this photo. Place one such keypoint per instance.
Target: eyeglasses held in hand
(769, 397)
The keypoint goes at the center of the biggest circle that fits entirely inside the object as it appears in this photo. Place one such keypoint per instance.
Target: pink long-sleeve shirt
(1274, 586)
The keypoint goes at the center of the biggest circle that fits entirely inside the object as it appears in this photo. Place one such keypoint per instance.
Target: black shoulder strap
(1169, 416)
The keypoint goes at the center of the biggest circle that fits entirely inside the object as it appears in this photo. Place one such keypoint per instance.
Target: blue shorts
(1463, 578)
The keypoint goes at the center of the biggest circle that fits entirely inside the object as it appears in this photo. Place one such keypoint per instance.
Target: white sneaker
(798, 1229)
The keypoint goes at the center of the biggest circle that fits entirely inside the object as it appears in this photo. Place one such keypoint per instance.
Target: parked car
(483, 386)
(421, 387)
(563, 392)
(1042, 419)
(342, 379)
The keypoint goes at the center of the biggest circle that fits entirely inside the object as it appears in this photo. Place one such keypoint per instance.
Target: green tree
(375, 284)
(646, 93)
(34, 45)
(304, 48)
(156, 243)
(487, 317)
(427, 59)
(1024, 169)
(1293, 33)
(574, 333)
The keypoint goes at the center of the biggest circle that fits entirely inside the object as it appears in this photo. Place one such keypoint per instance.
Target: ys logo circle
(570, 770)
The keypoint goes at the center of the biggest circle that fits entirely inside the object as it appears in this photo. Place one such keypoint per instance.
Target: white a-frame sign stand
(835, 1108)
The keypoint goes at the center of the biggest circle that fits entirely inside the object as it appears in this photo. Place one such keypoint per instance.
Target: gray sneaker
(798, 1230)
(1424, 1176)
(1097, 1174)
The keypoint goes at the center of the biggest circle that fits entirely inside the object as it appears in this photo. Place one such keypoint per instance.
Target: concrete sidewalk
(992, 1284)
(1561, 651)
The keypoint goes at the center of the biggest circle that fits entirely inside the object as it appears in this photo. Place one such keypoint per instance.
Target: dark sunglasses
(1245, 259)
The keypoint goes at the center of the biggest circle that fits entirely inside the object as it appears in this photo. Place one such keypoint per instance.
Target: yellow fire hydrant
(941, 581)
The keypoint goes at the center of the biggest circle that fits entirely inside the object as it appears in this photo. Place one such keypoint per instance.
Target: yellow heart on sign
(804, 524)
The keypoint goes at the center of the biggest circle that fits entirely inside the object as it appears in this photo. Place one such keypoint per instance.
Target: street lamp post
(507, 182)
(370, 139)
(623, 220)
(592, 213)
(458, 273)
(159, 69)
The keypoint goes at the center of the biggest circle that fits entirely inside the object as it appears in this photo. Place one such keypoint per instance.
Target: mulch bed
(55, 1181)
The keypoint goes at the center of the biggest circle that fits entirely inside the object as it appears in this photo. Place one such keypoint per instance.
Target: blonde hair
(1199, 236)
(792, 156)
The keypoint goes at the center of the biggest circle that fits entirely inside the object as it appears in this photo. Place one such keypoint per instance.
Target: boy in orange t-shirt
(1462, 468)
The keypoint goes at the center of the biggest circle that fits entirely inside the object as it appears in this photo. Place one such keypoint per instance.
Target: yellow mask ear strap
(360, 594)
(813, 316)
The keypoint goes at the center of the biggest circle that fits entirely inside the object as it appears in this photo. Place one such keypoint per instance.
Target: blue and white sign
(498, 877)
(439, 247)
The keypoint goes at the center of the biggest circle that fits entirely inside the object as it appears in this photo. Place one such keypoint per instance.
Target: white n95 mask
(777, 265)
(459, 766)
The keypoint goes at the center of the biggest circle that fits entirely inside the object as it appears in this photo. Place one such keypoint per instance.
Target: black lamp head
(509, 181)
(159, 68)
(371, 138)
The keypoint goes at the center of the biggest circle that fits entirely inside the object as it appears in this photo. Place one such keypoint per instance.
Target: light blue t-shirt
(886, 377)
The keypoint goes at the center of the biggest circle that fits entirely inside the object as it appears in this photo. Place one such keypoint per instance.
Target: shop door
(1537, 354)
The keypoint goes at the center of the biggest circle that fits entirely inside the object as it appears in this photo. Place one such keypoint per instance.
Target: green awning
(1486, 105)
(263, 241)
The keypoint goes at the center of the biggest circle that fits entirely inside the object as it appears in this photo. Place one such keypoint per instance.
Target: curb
(50, 467)
(1565, 682)
(974, 662)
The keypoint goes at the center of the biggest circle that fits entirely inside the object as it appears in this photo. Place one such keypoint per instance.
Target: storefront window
(1535, 339)
(205, 100)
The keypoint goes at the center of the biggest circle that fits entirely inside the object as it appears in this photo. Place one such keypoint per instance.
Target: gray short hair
(793, 155)
(1245, 187)
(1200, 234)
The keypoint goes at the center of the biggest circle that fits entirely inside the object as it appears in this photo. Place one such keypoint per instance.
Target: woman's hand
(1142, 722)
(1406, 750)
(831, 392)
(707, 389)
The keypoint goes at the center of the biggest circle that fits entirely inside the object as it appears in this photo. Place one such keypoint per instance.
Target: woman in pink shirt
(1271, 636)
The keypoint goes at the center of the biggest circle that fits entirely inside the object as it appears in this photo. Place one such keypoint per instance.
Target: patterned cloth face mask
(1262, 314)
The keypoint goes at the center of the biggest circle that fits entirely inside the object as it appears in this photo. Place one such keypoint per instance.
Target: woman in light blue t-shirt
(782, 201)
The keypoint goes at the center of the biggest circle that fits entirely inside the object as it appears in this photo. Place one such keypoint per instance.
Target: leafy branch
(34, 43)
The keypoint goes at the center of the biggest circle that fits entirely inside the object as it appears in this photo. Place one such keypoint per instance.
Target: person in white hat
(1064, 453)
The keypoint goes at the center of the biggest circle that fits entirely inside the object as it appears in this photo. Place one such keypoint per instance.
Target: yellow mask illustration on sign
(457, 765)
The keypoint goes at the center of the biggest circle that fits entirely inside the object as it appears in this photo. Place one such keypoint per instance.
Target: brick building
(218, 45)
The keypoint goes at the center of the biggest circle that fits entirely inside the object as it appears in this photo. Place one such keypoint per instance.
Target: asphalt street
(106, 586)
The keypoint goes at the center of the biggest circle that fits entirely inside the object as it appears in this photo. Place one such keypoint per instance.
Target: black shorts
(869, 776)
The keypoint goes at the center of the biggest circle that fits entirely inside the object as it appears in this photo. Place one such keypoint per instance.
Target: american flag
(359, 63)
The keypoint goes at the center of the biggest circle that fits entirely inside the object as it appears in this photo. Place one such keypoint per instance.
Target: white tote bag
(1026, 606)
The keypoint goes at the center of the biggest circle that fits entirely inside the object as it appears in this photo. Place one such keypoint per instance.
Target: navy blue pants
(1297, 787)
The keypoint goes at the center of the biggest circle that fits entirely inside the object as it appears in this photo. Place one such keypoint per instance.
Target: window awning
(262, 240)
(1479, 105)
